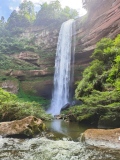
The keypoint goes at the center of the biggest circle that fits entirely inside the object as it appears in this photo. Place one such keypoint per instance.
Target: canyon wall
(102, 20)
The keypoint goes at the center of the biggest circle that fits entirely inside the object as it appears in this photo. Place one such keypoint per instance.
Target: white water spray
(62, 76)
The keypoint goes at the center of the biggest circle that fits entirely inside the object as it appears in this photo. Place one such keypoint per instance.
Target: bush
(12, 108)
(99, 89)
(104, 70)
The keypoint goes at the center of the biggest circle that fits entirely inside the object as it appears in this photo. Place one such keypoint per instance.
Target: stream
(45, 149)
(42, 148)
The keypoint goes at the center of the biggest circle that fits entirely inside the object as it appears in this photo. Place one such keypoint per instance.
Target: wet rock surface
(44, 149)
(102, 138)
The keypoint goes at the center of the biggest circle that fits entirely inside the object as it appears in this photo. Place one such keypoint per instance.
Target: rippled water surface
(44, 149)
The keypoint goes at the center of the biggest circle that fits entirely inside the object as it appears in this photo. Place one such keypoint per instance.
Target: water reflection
(70, 129)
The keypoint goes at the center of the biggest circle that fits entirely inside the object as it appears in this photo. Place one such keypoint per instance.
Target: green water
(67, 129)
(42, 148)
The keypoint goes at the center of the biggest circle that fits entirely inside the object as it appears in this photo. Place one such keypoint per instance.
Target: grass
(31, 98)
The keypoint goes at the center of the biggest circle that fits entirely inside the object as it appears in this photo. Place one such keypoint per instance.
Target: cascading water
(62, 76)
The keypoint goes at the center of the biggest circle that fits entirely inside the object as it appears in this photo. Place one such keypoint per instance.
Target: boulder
(27, 127)
(66, 106)
(102, 138)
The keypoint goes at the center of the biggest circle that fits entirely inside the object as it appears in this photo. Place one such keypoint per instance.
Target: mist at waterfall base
(63, 69)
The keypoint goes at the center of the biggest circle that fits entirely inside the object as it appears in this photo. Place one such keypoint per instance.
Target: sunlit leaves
(27, 10)
(11, 108)
(103, 74)
(53, 12)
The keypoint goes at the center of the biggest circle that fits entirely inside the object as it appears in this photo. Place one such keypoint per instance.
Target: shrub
(12, 108)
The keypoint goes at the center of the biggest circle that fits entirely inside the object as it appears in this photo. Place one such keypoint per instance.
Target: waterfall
(63, 68)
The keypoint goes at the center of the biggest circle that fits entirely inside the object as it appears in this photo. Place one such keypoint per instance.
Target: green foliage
(27, 10)
(16, 23)
(31, 98)
(94, 115)
(53, 13)
(22, 18)
(114, 72)
(68, 13)
(7, 62)
(117, 84)
(97, 98)
(5, 96)
(10, 31)
(92, 79)
(99, 90)
(103, 74)
(105, 50)
(25, 17)
(117, 41)
(12, 108)
(10, 45)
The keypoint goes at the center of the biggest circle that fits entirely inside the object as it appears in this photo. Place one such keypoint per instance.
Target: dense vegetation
(99, 89)
(12, 43)
(53, 13)
(12, 63)
(103, 75)
(12, 108)
(48, 13)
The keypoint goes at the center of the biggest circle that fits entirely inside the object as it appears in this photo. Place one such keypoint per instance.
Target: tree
(48, 13)
(103, 74)
(27, 10)
(69, 13)
(2, 20)
(16, 22)
(53, 13)
(3, 31)
(23, 18)
(13, 20)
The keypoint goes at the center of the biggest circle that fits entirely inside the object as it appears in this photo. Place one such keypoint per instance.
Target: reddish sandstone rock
(102, 138)
(30, 73)
(28, 57)
(28, 127)
(103, 20)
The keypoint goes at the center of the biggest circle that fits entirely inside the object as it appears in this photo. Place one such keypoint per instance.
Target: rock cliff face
(45, 38)
(102, 20)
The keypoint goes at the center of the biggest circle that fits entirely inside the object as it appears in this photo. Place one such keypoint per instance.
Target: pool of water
(67, 129)
(42, 148)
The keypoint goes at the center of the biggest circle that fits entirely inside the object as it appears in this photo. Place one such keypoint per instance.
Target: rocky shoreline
(31, 127)
(44, 149)
(105, 138)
